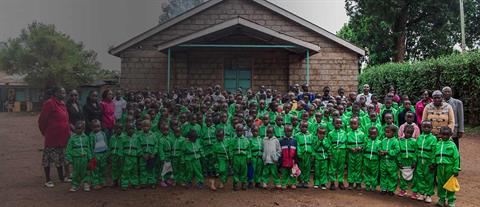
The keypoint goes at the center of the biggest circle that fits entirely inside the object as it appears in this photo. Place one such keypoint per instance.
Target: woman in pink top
(421, 105)
(108, 112)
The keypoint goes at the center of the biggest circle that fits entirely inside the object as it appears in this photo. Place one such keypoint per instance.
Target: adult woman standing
(439, 112)
(108, 112)
(75, 112)
(53, 124)
(420, 106)
(92, 110)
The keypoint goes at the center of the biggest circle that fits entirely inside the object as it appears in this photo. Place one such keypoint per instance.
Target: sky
(100, 24)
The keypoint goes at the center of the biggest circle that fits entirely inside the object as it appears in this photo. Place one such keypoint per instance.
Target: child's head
(372, 116)
(208, 121)
(239, 129)
(390, 131)
(305, 116)
(321, 132)
(287, 108)
(146, 124)
(129, 129)
(176, 131)
(426, 126)
(192, 135)
(407, 104)
(335, 114)
(288, 131)
(117, 129)
(270, 131)
(79, 127)
(388, 118)
(318, 116)
(255, 130)
(304, 126)
(356, 107)
(445, 133)
(107, 95)
(224, 118)
(220, 135)
(96, 126)
(388, 102)
(408, 131)
(373, 132)
(164, 128)
(354, 123)
(294, 121)
(266, 119)
(337, 123)
(409, 117)
(279, 120)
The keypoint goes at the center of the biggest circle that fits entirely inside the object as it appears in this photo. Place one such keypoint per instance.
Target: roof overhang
(244, 24)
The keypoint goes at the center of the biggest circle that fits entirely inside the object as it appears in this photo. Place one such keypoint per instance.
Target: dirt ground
(22, 181)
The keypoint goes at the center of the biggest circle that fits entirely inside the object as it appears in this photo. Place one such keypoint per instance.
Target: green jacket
(115, 144)
(391, 146)
(256, 146)
(131, 145)
(240, 146)
(313, 126)
(164, 147)
(192, 150)
(446, 153)
(355, 139)
(425, 146)
(370, 149)
(321, 149)
(177, 146)
(208, 138)
(221, 149)
(408, 149)
(262, 130)
(78, 146)
(148, 143)
(304, 143)
(279, 131)
(337, 139)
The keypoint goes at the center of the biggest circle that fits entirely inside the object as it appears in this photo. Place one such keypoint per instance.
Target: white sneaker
(315, 186)
(73, 189)
(264, 185)
(420, 197)
(86, 187)
(428, 199)
(67, 180)
(49, 184)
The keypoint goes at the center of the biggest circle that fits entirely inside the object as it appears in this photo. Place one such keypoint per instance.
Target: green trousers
(129, 171)
(147, 176)
(388, 175)
(208, 164)
(370, 173)
(117, 163)
(193, 169)
(321, 172)
(405, 184)
(423, 180)
(444, 172)
(100, 172)
(80, 172)
(287, 179)
(257, 164)
(354, 168)
(336, 169)
(222, 169)
(270, 170)
(240, 169)
(178, 168)
(305, 165)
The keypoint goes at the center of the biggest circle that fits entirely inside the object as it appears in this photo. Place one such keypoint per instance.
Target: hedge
(459, 71)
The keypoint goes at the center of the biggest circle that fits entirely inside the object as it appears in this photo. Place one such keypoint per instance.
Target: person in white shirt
(120, 104)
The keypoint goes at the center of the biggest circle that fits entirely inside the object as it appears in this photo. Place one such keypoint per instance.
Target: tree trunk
(399, 32)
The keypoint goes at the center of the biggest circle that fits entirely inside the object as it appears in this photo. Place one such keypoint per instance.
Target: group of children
(258, 141)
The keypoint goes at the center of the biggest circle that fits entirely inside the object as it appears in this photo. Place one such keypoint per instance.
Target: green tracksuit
(222, 158)
(208, 140)
(131, 151)
(279, 131)
(164, 155)
(240, 151)
(313, 126)
(337, 139)
(149, 147)
(367, 124)
(178, 163)
(193, 154)
(256, 147)
(388, 164)
(79, 152)
(101, 154)
(227, 129)
(424, 178)
(407, 157)
(447, 160)
(321, 148)
(304, 154)
(189, 126)
(116, 149)
(262, 130)
(355, 139)
(371, 163)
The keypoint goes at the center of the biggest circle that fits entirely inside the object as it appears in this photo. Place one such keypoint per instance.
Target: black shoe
(244, 186)
(358, 186)
(391, 193)
(332, 186)
(257, 185)
(383, 192)
(250, 185)
(305, 185)
(350, 186)
(235, 187)
(341, 186)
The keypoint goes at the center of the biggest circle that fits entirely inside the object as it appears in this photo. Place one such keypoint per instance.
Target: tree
(48, 57)
(401, 30)
(175, 7)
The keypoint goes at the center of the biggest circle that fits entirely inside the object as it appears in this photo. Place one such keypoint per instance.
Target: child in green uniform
(256, 147)
(372, 121)
(99, 144)
(407, 159)
(447, 162)
(208, 140)
(270, 156)
(116, 149)
(423, 180)
(241, 154)
(316, 123)
(222, 158)
(149, 148)
(131, 151)
(279, 130)
(371, 159)
(321, 156)
(178, 163)
(388, 166)
(265, 123)
(304, 154)
(337, 139)
(193, 153)
(164, 156)
(355, 140)
(79, 152)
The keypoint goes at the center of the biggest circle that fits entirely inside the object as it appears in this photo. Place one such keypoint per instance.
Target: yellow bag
(452, 184)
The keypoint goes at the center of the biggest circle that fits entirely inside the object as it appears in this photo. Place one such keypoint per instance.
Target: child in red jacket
(288, 158)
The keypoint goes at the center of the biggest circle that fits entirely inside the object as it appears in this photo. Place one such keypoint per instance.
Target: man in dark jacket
(457, 107)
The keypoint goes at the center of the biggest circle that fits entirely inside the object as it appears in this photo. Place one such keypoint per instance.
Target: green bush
(459, 71)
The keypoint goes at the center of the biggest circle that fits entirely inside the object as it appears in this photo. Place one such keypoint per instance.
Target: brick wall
(143, 66)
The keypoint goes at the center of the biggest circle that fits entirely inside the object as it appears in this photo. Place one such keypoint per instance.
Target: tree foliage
(175, 7)
(398, 30)
(48, 57)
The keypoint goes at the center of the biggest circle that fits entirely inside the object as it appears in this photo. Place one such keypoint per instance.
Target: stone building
(237, 43)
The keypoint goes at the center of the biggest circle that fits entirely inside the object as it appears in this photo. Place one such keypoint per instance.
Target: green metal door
(235, 78)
